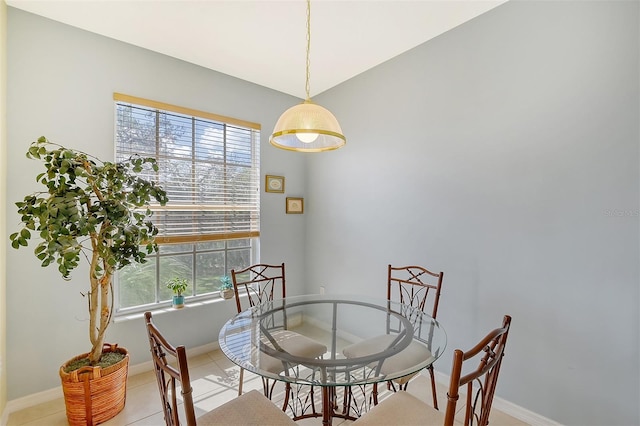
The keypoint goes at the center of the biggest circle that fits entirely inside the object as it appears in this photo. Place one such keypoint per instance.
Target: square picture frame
(295, 205)
(274, 183)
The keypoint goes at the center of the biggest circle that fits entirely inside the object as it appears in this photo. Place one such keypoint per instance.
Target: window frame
(252, 235)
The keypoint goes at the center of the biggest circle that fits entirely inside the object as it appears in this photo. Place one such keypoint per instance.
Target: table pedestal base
(302, 403)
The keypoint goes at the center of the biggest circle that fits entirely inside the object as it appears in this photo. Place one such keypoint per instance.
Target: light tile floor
(215, 381)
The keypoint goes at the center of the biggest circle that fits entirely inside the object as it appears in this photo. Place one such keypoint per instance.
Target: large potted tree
(98, 211)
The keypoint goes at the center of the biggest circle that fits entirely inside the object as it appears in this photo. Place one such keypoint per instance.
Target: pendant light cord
(307, 85)
(307, 127)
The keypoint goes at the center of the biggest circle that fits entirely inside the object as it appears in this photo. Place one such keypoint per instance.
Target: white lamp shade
(307, 127)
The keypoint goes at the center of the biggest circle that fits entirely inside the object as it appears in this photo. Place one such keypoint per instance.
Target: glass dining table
(398, 340)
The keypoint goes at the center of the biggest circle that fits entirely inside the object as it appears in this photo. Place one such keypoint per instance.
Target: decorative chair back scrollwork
(480, 383)
(259, 282)
(415, 286)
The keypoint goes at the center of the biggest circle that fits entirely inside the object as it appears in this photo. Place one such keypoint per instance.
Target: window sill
(159, 310)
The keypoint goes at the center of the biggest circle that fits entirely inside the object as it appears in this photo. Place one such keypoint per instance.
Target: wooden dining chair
(478, 386)
(172, 374)
(262, 283)
(413, 286)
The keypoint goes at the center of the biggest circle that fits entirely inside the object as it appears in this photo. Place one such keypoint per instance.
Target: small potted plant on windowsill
(178, 286)
(226, 288)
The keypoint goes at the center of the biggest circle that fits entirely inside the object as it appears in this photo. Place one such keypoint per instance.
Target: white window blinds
(208, 164)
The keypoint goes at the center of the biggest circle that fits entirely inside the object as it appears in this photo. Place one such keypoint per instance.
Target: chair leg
(346, 400)
(375, 394)
(287, 391)
(241, 380)
(313, 401)
(433, 387)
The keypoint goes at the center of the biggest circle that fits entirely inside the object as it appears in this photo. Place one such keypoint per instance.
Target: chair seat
(299, 345)
(401, 409)
(251, 408)
(368, 346)
(412, 355)
(293, 343)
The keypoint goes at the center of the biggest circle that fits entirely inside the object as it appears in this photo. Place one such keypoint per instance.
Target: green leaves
(20, 238)
(88, 205)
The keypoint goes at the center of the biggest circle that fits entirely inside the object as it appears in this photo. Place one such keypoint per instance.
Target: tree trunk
(102, 316)
(94, 295)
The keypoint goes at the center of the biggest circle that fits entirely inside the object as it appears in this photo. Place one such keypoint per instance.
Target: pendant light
(307, 127)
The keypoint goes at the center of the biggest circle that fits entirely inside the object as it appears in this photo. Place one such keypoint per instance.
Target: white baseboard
(33, 399)
(522, 414)
(505, 406)
(55, 393)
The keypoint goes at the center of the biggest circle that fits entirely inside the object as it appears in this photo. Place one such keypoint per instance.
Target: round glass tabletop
(332, 340)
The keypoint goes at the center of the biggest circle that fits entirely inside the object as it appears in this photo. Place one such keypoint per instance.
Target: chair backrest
(481, 381)
(168, 376)
(415, 286)
(260, 282)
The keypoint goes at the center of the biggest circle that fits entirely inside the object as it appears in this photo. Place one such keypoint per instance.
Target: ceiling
(264, 41)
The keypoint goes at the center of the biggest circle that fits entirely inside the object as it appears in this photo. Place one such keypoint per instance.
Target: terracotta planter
(93, 395)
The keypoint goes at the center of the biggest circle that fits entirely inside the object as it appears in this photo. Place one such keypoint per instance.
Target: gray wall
(504, 153)
(61, 84)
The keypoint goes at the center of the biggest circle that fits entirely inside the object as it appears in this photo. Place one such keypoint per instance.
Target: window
(209, 166)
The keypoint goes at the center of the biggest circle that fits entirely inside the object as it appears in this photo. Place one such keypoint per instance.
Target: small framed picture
(274, 183)
(295, 205)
